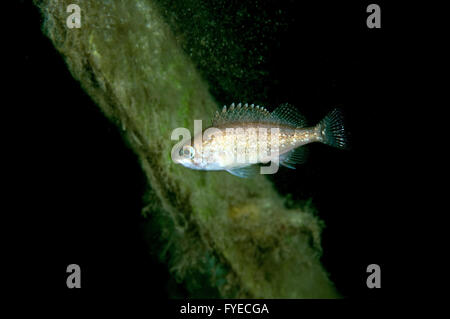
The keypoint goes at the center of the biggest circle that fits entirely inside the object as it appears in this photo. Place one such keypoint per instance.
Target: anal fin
(296, 156)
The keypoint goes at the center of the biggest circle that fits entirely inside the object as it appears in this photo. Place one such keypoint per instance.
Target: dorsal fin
(285, 114)
(245, 172)
(288, 115)
(240, 113)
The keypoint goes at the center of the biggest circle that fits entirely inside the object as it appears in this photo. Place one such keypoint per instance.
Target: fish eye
(187, 151)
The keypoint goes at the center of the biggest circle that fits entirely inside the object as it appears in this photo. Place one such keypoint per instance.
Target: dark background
(81, 188)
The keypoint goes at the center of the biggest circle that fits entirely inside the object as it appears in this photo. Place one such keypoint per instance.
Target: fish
(243, 137)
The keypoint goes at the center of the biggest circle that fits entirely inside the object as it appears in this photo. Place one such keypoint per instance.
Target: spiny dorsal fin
(240, 113)
(288, 115)
(285, 114)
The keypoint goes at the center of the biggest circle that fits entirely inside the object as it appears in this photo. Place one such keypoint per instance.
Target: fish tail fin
(332, 130)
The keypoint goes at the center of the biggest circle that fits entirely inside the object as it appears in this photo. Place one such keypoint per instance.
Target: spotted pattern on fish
(247, 131)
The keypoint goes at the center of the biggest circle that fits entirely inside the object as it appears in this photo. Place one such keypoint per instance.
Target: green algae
(221, 236)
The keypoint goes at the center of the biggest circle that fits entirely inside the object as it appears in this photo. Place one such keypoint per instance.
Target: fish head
(206, 154)
(188, 156)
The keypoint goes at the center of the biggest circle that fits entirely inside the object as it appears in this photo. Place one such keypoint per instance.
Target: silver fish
(244, 135)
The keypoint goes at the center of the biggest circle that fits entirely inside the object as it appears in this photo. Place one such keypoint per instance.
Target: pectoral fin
(245, 172)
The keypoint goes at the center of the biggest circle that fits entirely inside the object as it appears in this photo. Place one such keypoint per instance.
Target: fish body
(242, 136)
